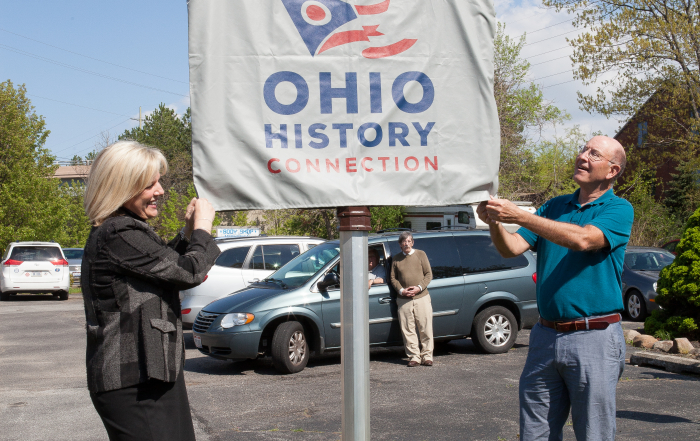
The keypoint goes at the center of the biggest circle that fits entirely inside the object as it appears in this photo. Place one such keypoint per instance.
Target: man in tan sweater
(410, 276)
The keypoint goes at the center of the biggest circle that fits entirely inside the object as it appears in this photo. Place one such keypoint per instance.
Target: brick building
(651, 135)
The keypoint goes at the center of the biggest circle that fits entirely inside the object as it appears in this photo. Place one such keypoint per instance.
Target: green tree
(173, 136)
(239, 218)
(523, 114)
(31, 207)
(683, 195)
(388, 216)
(77, 224)
(653, 224)
(633, 49)
(171, 216)
(317, 222)
(679, 288)
(549, 171)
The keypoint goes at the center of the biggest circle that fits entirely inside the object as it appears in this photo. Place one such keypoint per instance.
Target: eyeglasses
(594, 155)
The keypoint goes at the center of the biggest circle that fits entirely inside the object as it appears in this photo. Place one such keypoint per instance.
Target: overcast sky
(88, 65)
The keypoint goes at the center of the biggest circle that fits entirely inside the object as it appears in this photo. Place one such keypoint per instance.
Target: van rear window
(29, 254)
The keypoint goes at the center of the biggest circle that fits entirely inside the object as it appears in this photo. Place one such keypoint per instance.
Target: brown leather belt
(581, 325)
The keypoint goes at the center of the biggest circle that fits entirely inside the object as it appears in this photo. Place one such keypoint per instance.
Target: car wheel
(4, 296)
(635, 306)
(494, 330)
(290, 351)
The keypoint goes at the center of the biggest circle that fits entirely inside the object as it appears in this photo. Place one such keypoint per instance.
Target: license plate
(35, 273)
(197, 341)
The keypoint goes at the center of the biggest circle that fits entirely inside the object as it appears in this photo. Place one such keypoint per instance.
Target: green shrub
(663, 335)
(679, 288)
(665, 327)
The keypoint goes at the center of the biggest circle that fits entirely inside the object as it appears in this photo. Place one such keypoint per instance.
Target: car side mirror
(328, 280)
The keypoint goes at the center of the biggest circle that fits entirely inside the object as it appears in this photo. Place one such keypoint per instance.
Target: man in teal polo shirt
(577, 350)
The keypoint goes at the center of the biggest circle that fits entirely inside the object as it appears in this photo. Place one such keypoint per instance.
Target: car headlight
(236, 319)
(654, 286)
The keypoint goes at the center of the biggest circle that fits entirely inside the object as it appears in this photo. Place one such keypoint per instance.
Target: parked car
(639, 275)
(74, 256)
(475, 292)
(671, 245)
(242, 261)
(34, 267)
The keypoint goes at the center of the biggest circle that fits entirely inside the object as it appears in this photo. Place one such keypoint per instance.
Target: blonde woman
(131, 280)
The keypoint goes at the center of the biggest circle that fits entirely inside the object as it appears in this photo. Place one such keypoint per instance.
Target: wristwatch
(182, 235)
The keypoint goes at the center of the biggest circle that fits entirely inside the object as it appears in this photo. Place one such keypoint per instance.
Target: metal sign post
(354, 322)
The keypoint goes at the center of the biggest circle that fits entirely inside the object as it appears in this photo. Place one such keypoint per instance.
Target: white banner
(326, 103)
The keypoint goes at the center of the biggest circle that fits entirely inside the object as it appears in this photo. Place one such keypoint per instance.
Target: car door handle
(385, 300)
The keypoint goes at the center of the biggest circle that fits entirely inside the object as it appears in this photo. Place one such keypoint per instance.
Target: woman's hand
(203, 215)
(189, 218)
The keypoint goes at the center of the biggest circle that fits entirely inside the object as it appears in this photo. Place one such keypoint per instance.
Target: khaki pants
(416, 314)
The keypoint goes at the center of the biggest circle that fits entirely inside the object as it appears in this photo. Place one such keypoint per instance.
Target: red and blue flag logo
(317, 21)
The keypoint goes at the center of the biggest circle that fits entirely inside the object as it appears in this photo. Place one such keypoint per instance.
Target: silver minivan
(295, 311)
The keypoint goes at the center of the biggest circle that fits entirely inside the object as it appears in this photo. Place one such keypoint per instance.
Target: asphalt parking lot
(465, 396)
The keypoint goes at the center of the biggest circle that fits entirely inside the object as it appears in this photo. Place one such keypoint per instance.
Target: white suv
(34, 267)
(242, 262)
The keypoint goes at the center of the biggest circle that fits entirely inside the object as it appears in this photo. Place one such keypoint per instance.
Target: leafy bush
(663, 335)
(665, 327)
(679, 287)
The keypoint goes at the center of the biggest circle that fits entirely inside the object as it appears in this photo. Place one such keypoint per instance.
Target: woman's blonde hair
(120, 172)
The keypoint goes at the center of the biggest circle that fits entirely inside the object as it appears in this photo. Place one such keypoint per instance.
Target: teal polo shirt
(573, 284)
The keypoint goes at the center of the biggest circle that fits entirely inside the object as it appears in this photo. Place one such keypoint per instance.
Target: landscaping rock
(644, 341)
(695, 351)
(664, 345)
(681, 346)
(630, 334)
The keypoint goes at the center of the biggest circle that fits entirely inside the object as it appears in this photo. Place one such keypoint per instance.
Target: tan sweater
(411, 270)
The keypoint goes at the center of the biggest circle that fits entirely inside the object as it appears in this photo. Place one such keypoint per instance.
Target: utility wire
(93, 136)
(552, 85)
(546, 52)
(553, 59)
(21, 52)
(552, 75)
(92, 58)
(542, 29)
(81, 134)
(76, 105)
(549, 38)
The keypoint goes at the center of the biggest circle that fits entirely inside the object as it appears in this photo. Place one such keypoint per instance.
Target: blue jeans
(576, 370)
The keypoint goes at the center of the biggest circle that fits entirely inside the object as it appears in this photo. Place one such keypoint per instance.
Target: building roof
(72, 172)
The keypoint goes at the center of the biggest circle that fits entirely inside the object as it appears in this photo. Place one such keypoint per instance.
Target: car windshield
(73, 254)
(648, 260)
(300, 269)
